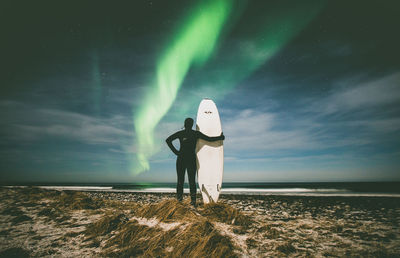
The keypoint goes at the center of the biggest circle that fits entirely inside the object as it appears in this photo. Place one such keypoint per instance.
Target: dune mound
(168, 228)
(193, 240)
(76, 201)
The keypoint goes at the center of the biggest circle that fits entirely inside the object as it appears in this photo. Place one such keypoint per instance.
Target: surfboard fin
(204, 190)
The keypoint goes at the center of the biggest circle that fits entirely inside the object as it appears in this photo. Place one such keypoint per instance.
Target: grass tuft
(167, 210)
(105, 225)
(14, 252)
(286, 248)
(76, 201)
(224, 213)
(20, 218)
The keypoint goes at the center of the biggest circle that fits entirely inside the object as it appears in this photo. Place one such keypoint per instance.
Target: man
(187, 156)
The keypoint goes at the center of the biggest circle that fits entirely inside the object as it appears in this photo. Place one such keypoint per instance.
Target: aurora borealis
(192, 45)
(307, 91)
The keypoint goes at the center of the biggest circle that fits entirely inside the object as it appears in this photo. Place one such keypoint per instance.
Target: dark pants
(183, 164)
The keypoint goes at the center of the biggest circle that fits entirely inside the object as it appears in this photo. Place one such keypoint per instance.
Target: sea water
(384, 189)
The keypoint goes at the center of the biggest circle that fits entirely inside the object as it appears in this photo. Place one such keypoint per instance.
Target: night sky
(307, 90)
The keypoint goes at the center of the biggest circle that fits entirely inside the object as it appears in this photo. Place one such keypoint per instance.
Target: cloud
(382, 126)
(352, 115)
(370, 94)
(30, 123)
(254, 131)
(260, 135)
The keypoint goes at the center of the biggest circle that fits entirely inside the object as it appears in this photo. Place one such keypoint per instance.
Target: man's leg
(192, 183)
(180, 172)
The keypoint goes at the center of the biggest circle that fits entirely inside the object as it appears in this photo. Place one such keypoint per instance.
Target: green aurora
(193, 45)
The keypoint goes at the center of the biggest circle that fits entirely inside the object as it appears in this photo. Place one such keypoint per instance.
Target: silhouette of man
(187, 156)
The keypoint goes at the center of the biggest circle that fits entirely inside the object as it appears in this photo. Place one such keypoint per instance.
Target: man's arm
(210, 139)
(169, 142)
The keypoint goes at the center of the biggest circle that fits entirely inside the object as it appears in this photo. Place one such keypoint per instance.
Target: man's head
(188, 123)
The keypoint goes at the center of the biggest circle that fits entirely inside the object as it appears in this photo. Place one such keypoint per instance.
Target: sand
(38, 222)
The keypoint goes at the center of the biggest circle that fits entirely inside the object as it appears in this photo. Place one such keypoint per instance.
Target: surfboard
(210, 155)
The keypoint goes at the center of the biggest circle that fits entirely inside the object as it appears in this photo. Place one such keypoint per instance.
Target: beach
(42, 222)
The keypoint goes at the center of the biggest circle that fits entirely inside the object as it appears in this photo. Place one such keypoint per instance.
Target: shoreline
(229, 191)
(43, 222)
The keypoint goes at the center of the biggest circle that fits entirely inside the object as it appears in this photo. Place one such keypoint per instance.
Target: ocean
(384, 189)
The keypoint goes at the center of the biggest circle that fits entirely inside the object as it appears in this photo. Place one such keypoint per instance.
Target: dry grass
(76, 201)
(13, 211)
(21, 218)
(87, 225)
(14, 252)
(226, 214)
(199, 239)
(194, 236)
(106, 224)
(167, 211)
(268, 231)
(35, 194)
(202, 239)
(51, 213)
(286, 248)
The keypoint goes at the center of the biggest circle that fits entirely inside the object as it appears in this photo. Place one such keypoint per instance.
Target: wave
(78, 188)
(240, 191)
(281, 190)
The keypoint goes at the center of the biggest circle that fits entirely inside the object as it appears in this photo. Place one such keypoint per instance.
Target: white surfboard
(210, 155)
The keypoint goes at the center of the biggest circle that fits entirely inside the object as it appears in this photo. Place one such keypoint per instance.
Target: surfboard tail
(204, 190)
